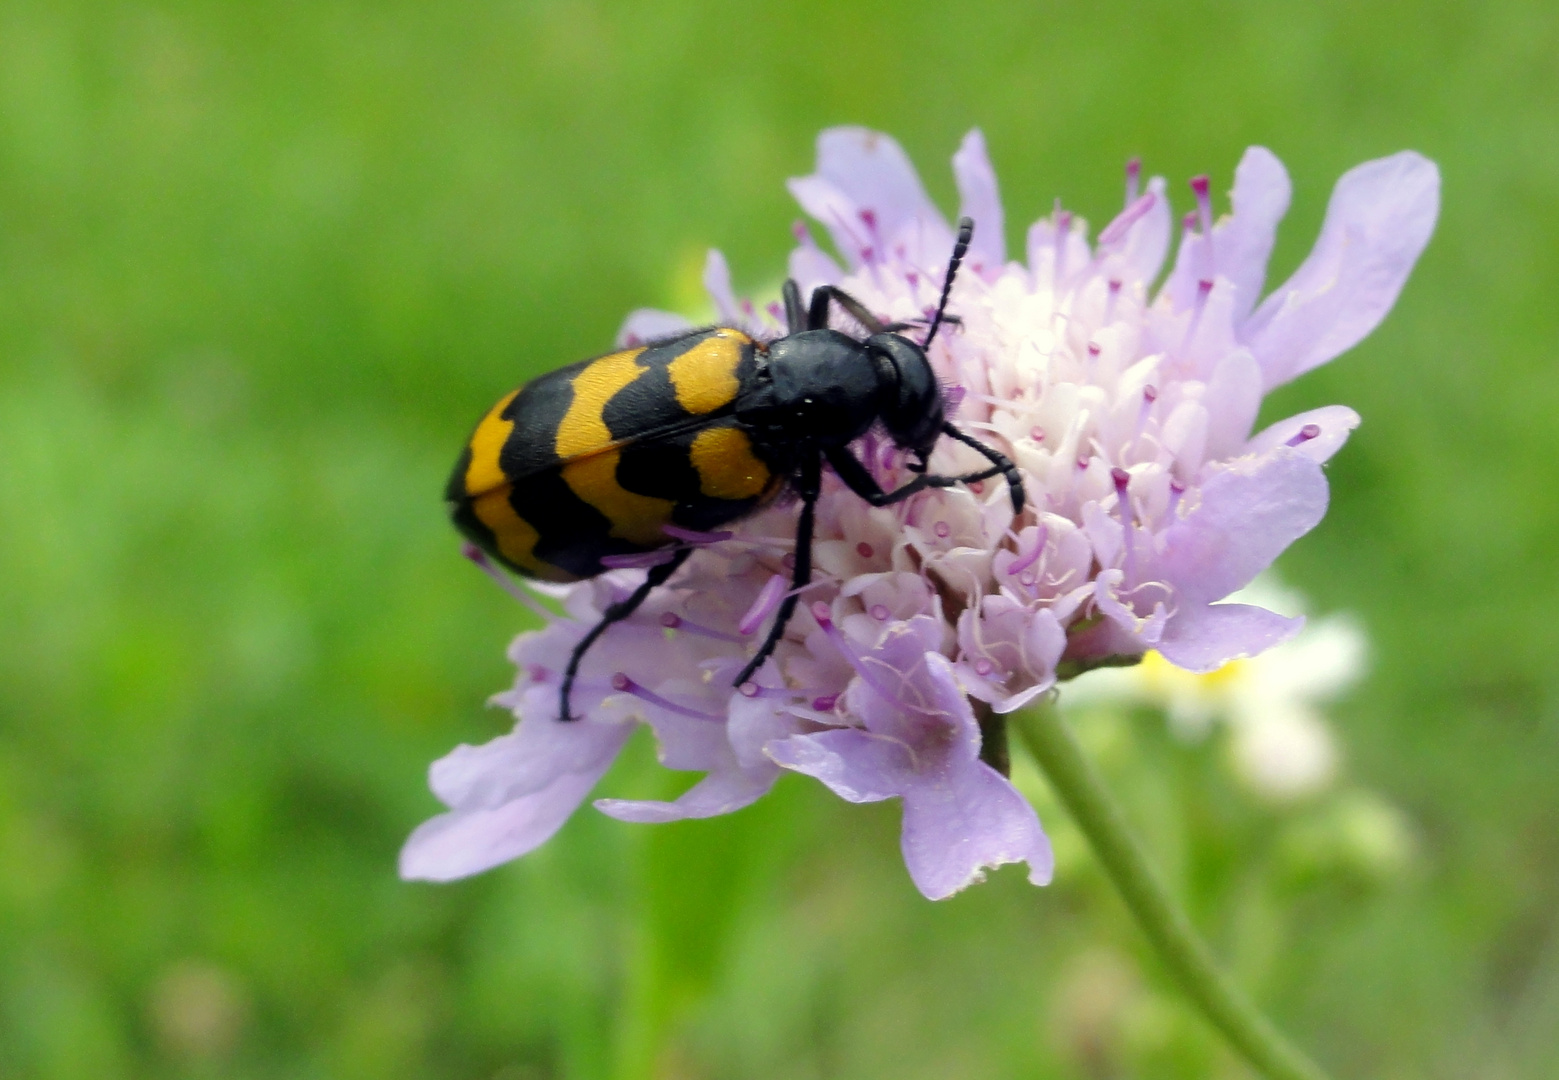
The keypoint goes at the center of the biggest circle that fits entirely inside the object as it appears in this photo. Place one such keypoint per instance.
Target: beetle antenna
(965, 231)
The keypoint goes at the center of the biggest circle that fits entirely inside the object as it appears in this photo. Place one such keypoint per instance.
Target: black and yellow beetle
(597, 459)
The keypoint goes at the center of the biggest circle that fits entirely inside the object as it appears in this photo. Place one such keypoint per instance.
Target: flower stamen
(1122, 480)
(625, 685)
(672, 621)
(508, 585)
(825, 622)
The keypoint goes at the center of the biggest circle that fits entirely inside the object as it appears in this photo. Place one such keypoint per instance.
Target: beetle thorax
(824, 386)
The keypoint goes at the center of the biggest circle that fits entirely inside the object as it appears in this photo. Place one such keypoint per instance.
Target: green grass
(262, 265)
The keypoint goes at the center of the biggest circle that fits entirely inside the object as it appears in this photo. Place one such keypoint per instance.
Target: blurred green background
(261, 266)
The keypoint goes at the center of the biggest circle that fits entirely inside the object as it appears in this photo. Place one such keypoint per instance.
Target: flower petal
(1243, 244)
(958, 824)
(858, 171)
(465, 842)
(810, 266)
(1249, 514)
(717, 283)
(648, 324)
(1335, 422)
(1205, 638)
(1232, 400)
(1147, 241)
(720, 792)
(855, 764)
(1242, 241)
(1379, 219)
(980, 200)
(530, 758)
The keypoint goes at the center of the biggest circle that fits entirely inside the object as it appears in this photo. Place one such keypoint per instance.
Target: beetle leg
(795, 313)
(818, 316)
(858, 479)
(807, 487)
(1001, 461)
(617, 612)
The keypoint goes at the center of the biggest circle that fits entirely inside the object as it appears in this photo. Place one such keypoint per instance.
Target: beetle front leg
(807, 487)
(858, 479)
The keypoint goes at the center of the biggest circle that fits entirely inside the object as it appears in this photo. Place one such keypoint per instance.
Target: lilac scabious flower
(1129, 411)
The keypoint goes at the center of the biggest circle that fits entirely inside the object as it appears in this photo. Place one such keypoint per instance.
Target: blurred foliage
(261, 265)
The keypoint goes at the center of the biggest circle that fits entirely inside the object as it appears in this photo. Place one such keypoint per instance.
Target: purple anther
(1305, 434)
(632, 339)
(1188, 223)
(799, 230)
(1120, 478)
(776, 312)
(1150, 393)
(869, 218)
(864, 550)
(1037, 433)
(1116, 230)
(953, 396)
(983, 667)
(748, 689)
(820, 612)
(1133, 179)
(694, 536)
(1094, 349)
(638, 560)
(539, 673)
(670, 620)
(768, 599)
(1083, 460)
(880, 612)
(1176, 491)
(1204, 204)
(942, 529)
(747, 308)
(977, 486)
(825, 703)
(1109, 301)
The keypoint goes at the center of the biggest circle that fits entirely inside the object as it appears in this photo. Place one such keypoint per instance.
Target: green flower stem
(1082, 789)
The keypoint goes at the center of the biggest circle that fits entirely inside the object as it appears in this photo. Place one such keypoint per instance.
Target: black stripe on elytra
(536, 411)
(661, 469)
(573, 535)
(649, 403)
(474, 529)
